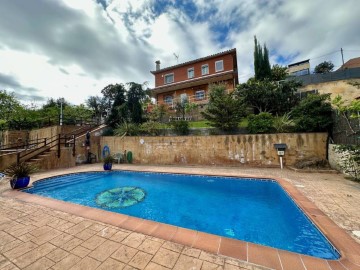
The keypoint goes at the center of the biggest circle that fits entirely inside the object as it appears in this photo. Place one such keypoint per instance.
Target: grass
(203, 124)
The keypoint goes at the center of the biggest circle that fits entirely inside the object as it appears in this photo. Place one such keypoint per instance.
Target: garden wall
(219, 150)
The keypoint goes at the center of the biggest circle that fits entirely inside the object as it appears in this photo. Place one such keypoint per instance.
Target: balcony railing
(196, 99)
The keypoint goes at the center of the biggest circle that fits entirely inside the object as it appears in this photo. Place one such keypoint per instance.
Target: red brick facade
(172, 82)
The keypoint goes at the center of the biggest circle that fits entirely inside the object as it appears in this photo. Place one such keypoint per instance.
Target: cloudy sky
(74, 48)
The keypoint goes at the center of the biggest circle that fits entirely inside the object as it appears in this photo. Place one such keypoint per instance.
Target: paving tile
(93, 242)
(192, 252)
(134, 240)
(314, 263)
(20, 250)
(336, 265)
(57, 255)
(61, 239)
(184, 236)
(186, 262)
(119, 236)
(232, 248)
(10, 266)
(166, 257)
(33, 255)
(124, 254)
(67, 262)
(207, 242)
(46, 237)
(231, 267)
(265, 256)
(211, 258)
(41, 264)
(140, 260)
(164, 231)
(290, 261)
(111, 264)
(86, 263)
(85, 234)
(102, 252)
(42, 230)
(147, 227)
(149, 246)
(11, 245)
(107, 232)
(97, 227)
(211, 266)
(78, 228)
(154, 266)
(173, 246)
(70, 245)
(80, 251)
(6, 238)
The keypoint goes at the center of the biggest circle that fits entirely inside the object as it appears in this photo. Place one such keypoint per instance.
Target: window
(219, 66)
(169, 78)
(183, 98)
(300, 72)
(200, 94)
(204, 69)
(168, 100)
(190, 73)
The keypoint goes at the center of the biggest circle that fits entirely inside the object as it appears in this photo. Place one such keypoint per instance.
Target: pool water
(253, 210)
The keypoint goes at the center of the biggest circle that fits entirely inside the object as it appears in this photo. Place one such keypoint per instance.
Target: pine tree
(261, 61)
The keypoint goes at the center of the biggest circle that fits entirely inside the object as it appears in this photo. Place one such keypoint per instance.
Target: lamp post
(61, 111)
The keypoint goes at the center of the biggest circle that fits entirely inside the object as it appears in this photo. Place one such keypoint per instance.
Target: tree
(8, 105)
(97, 105)
(261, 61)
(135, 96)
(224, 110)
(119, 110)
(109, 94)
(278, 73)
(313, 113)
(324, 67)
(269, 96)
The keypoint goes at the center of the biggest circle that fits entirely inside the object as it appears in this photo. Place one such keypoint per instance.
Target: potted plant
(108, 161)
(20, 174)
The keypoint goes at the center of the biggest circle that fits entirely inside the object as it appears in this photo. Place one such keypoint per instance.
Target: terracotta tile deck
(43, 233)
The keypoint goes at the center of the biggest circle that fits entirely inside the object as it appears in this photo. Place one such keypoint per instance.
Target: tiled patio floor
(33, 236)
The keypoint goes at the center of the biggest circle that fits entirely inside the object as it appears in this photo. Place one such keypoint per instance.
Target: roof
(299, 63)
(231, 51)
(352, 63)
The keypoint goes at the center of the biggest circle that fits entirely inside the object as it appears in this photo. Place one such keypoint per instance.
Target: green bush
(180, 127)
(261, 123)
(127, 129)
(151, 128)
(313, 113)
(283, 123)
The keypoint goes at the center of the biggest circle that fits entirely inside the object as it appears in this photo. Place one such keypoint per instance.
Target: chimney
(157, 65)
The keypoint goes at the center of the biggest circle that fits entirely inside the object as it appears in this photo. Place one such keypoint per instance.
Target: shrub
(283, 123)
(20, 170)
(180, 127)
(261, 123)
(151, 128)
(313, 113)
(127, 129)
(350, 161)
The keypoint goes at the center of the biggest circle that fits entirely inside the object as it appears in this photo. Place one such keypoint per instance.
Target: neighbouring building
(344, 82)
(190, 80)
(299, 68)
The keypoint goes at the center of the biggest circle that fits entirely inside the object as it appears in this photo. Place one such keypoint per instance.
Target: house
(352, 63)
(299, 68)
(190, 80)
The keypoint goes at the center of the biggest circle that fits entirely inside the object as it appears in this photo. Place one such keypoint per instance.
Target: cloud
(8, 82)
(66, 47)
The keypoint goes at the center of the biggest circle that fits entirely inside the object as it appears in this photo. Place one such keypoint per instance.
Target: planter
(107, 166)
(20, 182)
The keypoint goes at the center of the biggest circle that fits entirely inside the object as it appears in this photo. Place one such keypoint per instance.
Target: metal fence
(342, 133)
(345, 74)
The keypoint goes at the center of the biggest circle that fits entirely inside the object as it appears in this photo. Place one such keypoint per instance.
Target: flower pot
(20, 182)
(107, 166)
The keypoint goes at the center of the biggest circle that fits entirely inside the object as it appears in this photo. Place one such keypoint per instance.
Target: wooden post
(73, 145)
(59, 149)
(18, 157)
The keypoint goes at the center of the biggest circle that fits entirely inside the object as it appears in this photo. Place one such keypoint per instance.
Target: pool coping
(266, 256)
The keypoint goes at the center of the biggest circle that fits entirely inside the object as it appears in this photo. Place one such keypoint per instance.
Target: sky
(74, 48)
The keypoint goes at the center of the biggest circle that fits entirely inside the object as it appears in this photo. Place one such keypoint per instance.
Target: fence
(345, 74)
(345, 132)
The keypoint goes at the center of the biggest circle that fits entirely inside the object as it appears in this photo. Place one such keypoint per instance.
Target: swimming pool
(253, 210)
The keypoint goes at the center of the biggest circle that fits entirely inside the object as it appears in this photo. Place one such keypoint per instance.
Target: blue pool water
(252, 210)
